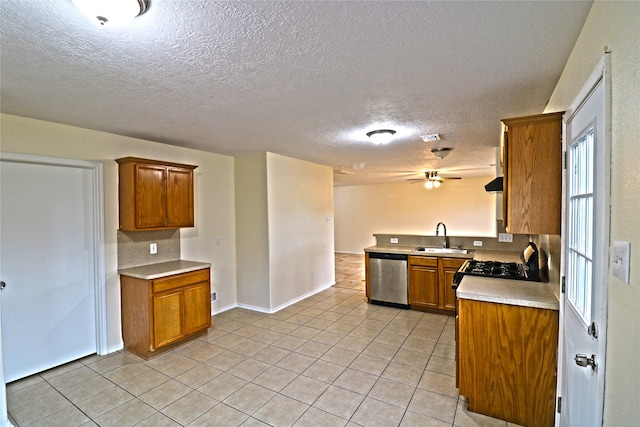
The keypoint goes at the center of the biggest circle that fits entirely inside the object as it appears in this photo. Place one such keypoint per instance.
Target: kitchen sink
(442, 250)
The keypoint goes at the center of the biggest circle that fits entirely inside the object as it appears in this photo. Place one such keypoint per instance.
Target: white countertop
(162, 269)
(411, 250)
(505, 291)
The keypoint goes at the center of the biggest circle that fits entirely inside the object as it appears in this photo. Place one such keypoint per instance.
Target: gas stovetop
(495, 269)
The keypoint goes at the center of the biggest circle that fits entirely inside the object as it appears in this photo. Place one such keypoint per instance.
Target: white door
(584, 302)
(48, 262)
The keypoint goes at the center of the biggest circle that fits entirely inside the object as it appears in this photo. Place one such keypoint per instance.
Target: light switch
(621, 255)
(153, 248)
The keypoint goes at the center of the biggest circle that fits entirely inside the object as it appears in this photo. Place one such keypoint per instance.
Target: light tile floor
(330, 360)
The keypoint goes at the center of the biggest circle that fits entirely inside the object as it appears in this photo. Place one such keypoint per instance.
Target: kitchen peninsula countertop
(163, 269)
(505, 291)
(411, 250)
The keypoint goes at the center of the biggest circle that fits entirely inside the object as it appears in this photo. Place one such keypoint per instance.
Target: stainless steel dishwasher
(388, 279)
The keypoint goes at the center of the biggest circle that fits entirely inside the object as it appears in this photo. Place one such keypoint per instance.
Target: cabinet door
(533, 185)
(167, 318)
(423, 282)
(179, 197)
(448, 267)
(197, 308)
(508, 361)
(151, 196)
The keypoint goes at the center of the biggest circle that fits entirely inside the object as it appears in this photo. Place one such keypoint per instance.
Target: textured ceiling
(305, 79)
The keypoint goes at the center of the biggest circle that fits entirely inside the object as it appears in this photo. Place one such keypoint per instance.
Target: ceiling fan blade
(450, 177)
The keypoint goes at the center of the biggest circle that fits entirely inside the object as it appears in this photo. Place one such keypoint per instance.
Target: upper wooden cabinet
(154, 195)
(532, 168)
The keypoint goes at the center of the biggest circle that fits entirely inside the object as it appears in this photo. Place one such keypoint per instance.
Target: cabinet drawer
(426, 261)
(452, 263)
(180, 280)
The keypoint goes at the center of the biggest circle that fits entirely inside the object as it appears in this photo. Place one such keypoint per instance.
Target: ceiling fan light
(381, 136)
(111, 12)
(428, 185)
(436, 183)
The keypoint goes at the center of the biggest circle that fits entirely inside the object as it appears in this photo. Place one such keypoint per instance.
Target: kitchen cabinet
(532, 169)
(154, 195)
(507, 360)
(430, 281)
(161, 313)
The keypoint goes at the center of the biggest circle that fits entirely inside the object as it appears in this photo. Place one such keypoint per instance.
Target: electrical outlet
(218, 241)
(214, 296)
(477, 243)
(621, 260)
(505, 237)
(153, 248)
(394, 240)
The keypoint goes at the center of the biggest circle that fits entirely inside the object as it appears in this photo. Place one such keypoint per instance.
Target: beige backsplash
(488, 243)
(133, 247)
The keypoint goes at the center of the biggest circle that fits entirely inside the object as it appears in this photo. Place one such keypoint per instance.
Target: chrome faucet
(445, 244)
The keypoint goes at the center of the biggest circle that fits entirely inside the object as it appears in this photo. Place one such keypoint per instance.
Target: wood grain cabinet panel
(507, 361)
(532, 169)
(167, 318)
(446, 269)
(154, 195)
(160, 314)
(150, 196)
(430, 280)
(195, 319)
(423, 282)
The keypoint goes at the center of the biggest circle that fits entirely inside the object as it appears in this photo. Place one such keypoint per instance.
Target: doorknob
(2, 285)
(584, 361)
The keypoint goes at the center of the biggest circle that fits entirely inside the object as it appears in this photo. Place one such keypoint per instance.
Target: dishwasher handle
(380, 255)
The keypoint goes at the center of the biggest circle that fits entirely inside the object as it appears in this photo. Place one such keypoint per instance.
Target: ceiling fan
(432, 179)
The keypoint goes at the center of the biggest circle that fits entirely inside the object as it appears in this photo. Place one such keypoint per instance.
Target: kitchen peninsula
(506, 332)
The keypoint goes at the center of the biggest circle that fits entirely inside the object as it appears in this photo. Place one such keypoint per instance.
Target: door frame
(601, 73)
(96, 171)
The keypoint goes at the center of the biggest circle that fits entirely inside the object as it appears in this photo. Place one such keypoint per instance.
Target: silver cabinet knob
(584, 361)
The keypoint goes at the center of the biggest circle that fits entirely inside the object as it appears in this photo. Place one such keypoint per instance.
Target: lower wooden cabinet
(507, 361)
(161, 313)
(430, 281)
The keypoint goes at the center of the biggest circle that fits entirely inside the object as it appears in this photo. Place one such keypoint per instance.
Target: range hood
(495, 186)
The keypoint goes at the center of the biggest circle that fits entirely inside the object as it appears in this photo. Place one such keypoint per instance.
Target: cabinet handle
(2, 285)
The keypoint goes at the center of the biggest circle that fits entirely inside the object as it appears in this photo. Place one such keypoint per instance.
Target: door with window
(584, 302)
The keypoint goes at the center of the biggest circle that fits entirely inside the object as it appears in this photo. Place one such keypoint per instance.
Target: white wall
(301, 247)
(616, 25)
(285, 244)
(252, 231)
(214, 206)
(403, 208)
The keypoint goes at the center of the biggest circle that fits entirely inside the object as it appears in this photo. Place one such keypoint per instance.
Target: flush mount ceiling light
(441, 152)
(431, 137)
(112, 12)
(381, 136)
